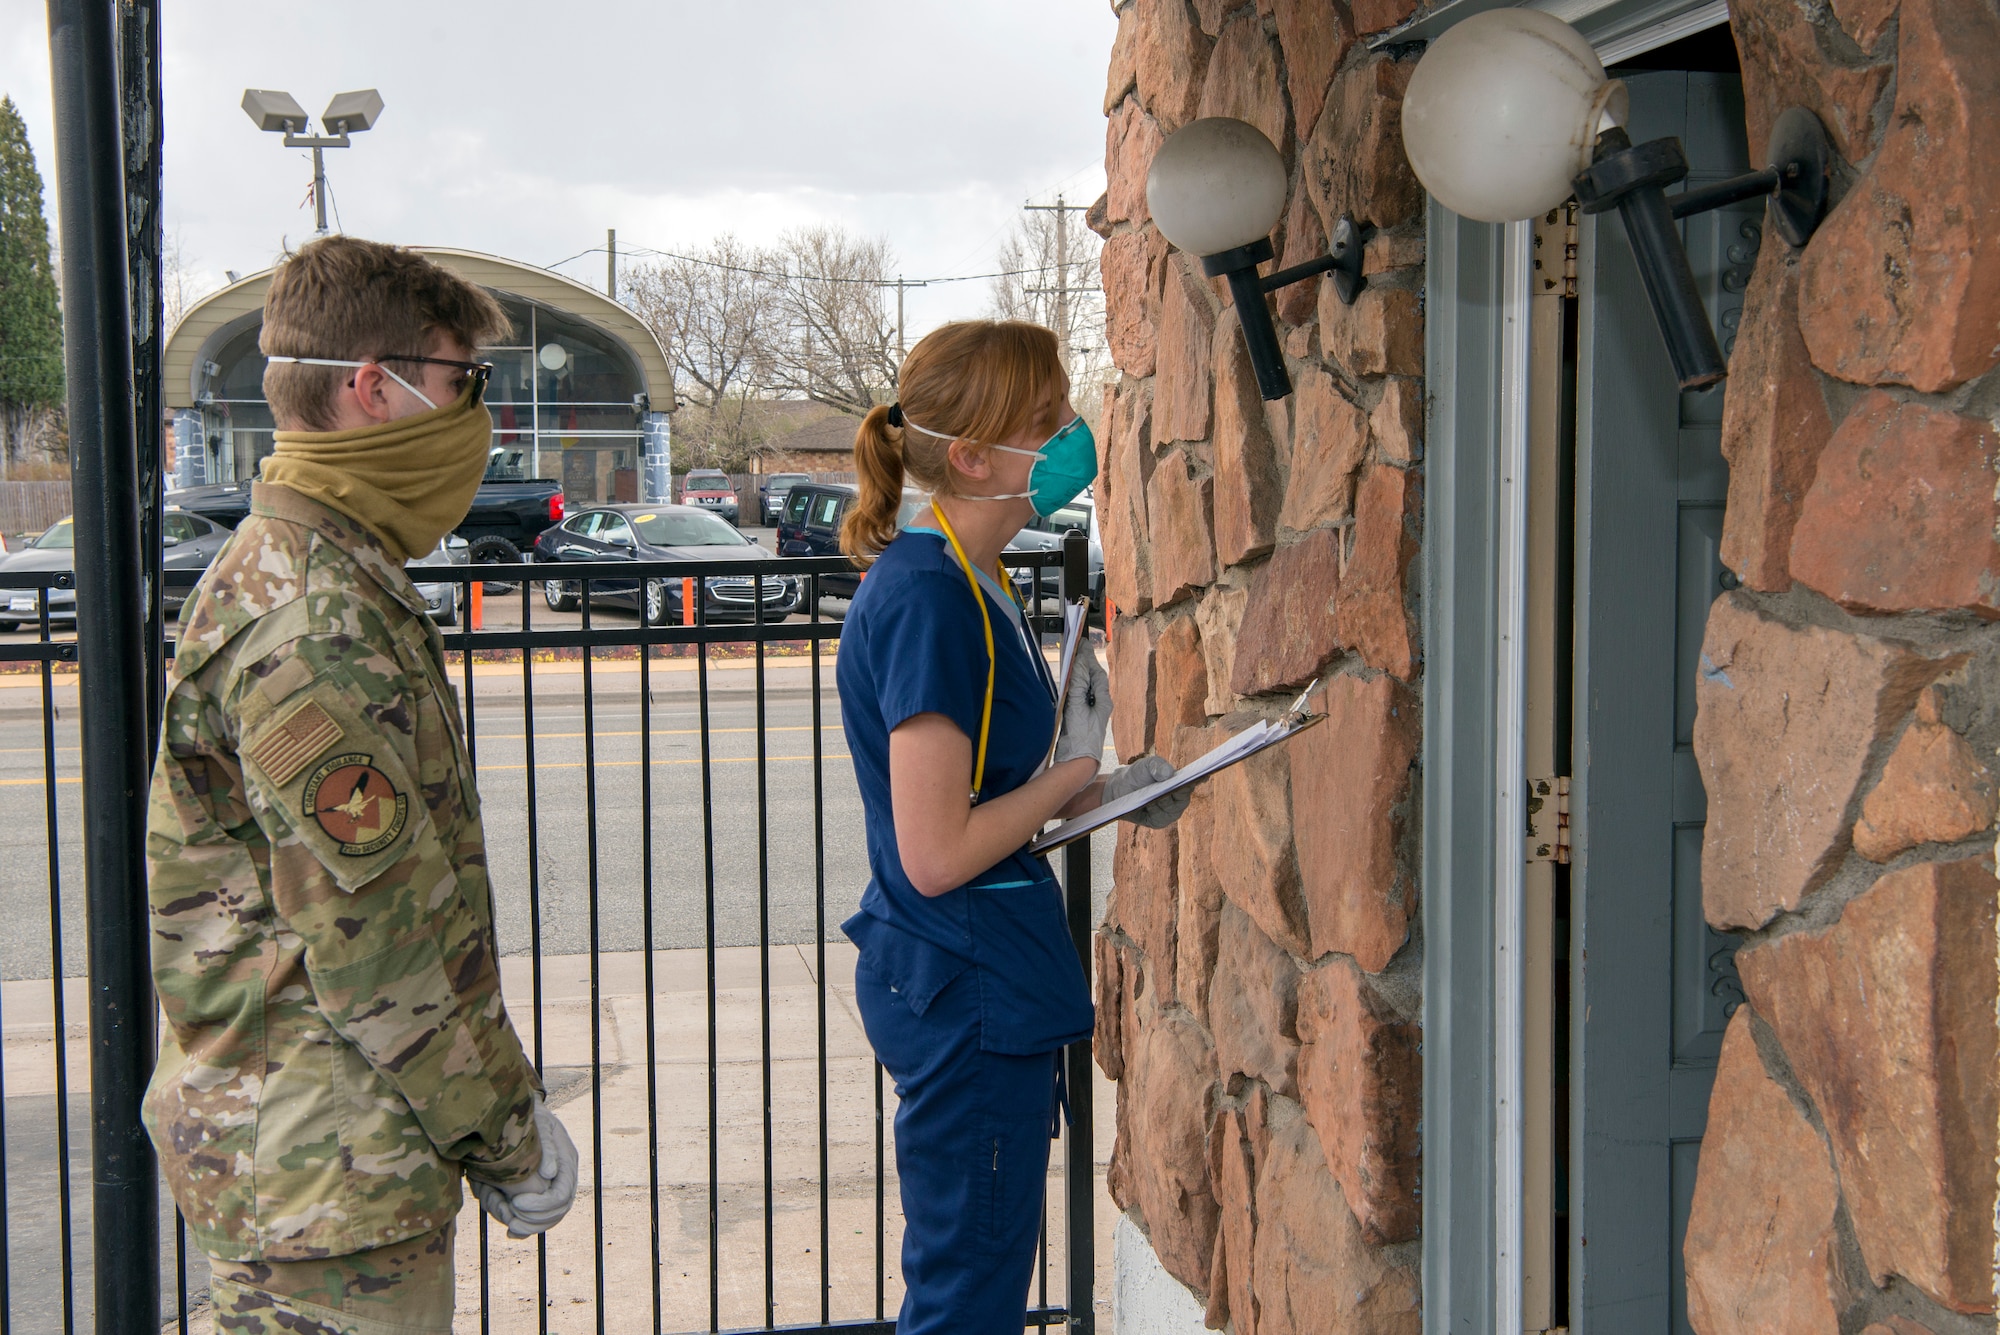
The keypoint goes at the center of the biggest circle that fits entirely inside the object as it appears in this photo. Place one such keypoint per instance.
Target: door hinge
(1548, 819)
(1555, 252)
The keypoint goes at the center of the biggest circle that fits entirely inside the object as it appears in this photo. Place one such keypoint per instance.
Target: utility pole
(611, 263)
(900, 284)
(1061, 290)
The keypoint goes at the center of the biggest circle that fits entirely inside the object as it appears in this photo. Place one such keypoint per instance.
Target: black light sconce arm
(1247, 289)
(1631, 178)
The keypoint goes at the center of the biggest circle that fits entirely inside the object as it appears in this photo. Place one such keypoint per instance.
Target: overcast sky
(526, 129)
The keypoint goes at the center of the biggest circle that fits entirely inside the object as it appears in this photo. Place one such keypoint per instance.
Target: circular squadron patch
(355, 804)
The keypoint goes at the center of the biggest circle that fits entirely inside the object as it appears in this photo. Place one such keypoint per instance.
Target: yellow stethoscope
(992, 658)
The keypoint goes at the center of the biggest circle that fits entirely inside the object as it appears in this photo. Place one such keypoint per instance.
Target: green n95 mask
(1064, 466)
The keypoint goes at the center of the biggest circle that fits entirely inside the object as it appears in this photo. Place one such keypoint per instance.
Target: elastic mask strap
(908, 425)
(328, 361)
(992, 658)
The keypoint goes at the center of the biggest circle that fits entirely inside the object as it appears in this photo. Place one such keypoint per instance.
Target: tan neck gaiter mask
(410, 481)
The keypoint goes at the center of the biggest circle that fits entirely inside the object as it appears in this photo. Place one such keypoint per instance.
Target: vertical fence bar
(110, 634)
(764, 945)
(596, 978)
(646, 910)
(699, 589)
(65, 1238)
(1079, 1158)
(534, 911)
(469, 721)
(819, 959)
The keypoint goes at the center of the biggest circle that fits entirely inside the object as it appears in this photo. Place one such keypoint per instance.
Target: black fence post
(144, 133)
(97, 327)
(1080, 1152)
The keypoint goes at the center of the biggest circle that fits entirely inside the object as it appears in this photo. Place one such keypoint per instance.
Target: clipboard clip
(1298, 715)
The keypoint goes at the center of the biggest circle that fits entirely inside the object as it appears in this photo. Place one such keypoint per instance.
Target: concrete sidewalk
(610, 1119)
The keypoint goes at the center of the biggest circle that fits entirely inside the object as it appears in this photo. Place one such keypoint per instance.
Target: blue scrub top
(914, 644)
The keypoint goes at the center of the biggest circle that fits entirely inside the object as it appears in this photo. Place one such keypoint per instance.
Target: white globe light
(1504, 110)
(1216, 184)
(553, 356)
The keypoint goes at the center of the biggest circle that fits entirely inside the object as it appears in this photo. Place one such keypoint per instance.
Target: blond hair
(980, 381)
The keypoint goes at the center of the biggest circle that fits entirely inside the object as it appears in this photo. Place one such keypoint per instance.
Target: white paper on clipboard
(1075, 616)
(1257, 737)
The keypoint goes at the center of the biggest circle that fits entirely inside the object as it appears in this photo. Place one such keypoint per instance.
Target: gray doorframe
(1470, 925)
(1462, 560)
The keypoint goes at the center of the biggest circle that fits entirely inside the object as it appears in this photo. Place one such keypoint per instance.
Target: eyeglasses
(478, 372)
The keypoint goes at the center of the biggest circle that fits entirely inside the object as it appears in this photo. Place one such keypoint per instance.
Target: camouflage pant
(402, 1289)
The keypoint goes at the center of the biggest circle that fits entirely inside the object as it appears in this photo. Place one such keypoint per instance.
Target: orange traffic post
(475, 613)
(687, 602)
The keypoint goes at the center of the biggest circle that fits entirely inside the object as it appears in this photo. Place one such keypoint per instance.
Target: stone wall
(1849, 712)
(1257, 989)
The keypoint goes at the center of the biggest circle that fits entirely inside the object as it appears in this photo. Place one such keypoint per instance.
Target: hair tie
(896, 415)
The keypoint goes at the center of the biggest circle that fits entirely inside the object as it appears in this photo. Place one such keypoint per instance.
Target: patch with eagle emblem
(355, 804)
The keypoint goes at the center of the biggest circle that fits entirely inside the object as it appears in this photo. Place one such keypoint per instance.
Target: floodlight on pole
(280, 113)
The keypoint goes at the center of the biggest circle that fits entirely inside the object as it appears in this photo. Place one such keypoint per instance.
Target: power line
(806, 278)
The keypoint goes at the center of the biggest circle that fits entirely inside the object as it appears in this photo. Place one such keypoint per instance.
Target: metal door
(1651, 985)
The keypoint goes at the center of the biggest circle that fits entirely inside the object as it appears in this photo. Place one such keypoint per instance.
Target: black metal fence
(673, 838)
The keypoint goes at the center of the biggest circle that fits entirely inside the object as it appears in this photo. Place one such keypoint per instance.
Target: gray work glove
(538, 1202)
(1086, 709)
(1162, 811)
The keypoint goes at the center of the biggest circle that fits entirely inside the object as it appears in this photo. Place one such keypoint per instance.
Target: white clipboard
(1257, 737)
(1076, 615)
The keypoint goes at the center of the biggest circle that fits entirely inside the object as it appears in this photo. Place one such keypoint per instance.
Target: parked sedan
(188, 542)
(441, 600)
(1043, 535)
(661, 533)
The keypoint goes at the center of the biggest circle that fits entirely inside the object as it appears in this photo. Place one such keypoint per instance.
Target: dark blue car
(661, 533)
(810, 526)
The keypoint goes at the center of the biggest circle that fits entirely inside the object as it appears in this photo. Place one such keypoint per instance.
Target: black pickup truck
(507, 515)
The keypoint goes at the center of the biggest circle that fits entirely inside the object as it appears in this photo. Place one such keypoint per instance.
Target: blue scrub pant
(972, 1150)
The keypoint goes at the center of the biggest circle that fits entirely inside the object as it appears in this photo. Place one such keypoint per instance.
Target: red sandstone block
(1887, 1020)
(1901, 513)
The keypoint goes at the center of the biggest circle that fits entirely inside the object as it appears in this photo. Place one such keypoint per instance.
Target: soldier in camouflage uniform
(339, 1054)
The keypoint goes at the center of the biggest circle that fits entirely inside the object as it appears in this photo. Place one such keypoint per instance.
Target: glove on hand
(538, 1202)
(1162, 811)
(1086, 709)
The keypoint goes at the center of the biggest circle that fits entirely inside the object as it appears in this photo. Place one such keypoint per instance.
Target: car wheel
(492, 550)
(656, 602)
(9, 627)
(559, 594)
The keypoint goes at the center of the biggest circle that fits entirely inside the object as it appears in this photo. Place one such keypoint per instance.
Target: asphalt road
(589, 847)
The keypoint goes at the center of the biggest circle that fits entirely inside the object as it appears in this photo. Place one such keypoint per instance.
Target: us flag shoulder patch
(293, 741)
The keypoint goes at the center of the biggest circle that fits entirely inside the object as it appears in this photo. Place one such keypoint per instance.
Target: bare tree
(1049, 275)
(717, 311)
(181, 283)
(836, 345)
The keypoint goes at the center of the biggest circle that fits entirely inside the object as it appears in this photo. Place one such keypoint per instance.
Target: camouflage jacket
(322, 926)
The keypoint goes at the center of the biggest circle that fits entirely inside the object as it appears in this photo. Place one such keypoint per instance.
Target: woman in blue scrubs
(968, 983)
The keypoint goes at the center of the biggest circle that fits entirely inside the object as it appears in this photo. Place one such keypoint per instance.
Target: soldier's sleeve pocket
(335, 780)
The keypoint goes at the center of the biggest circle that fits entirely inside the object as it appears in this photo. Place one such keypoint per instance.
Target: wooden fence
(30, 507)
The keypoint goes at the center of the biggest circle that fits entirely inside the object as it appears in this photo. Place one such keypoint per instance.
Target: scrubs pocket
(914, 969)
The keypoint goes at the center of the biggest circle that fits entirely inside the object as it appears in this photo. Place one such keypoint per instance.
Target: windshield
(687, 528)
(777, 480)
(505, 465)
(60, 536)
(707, 482)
